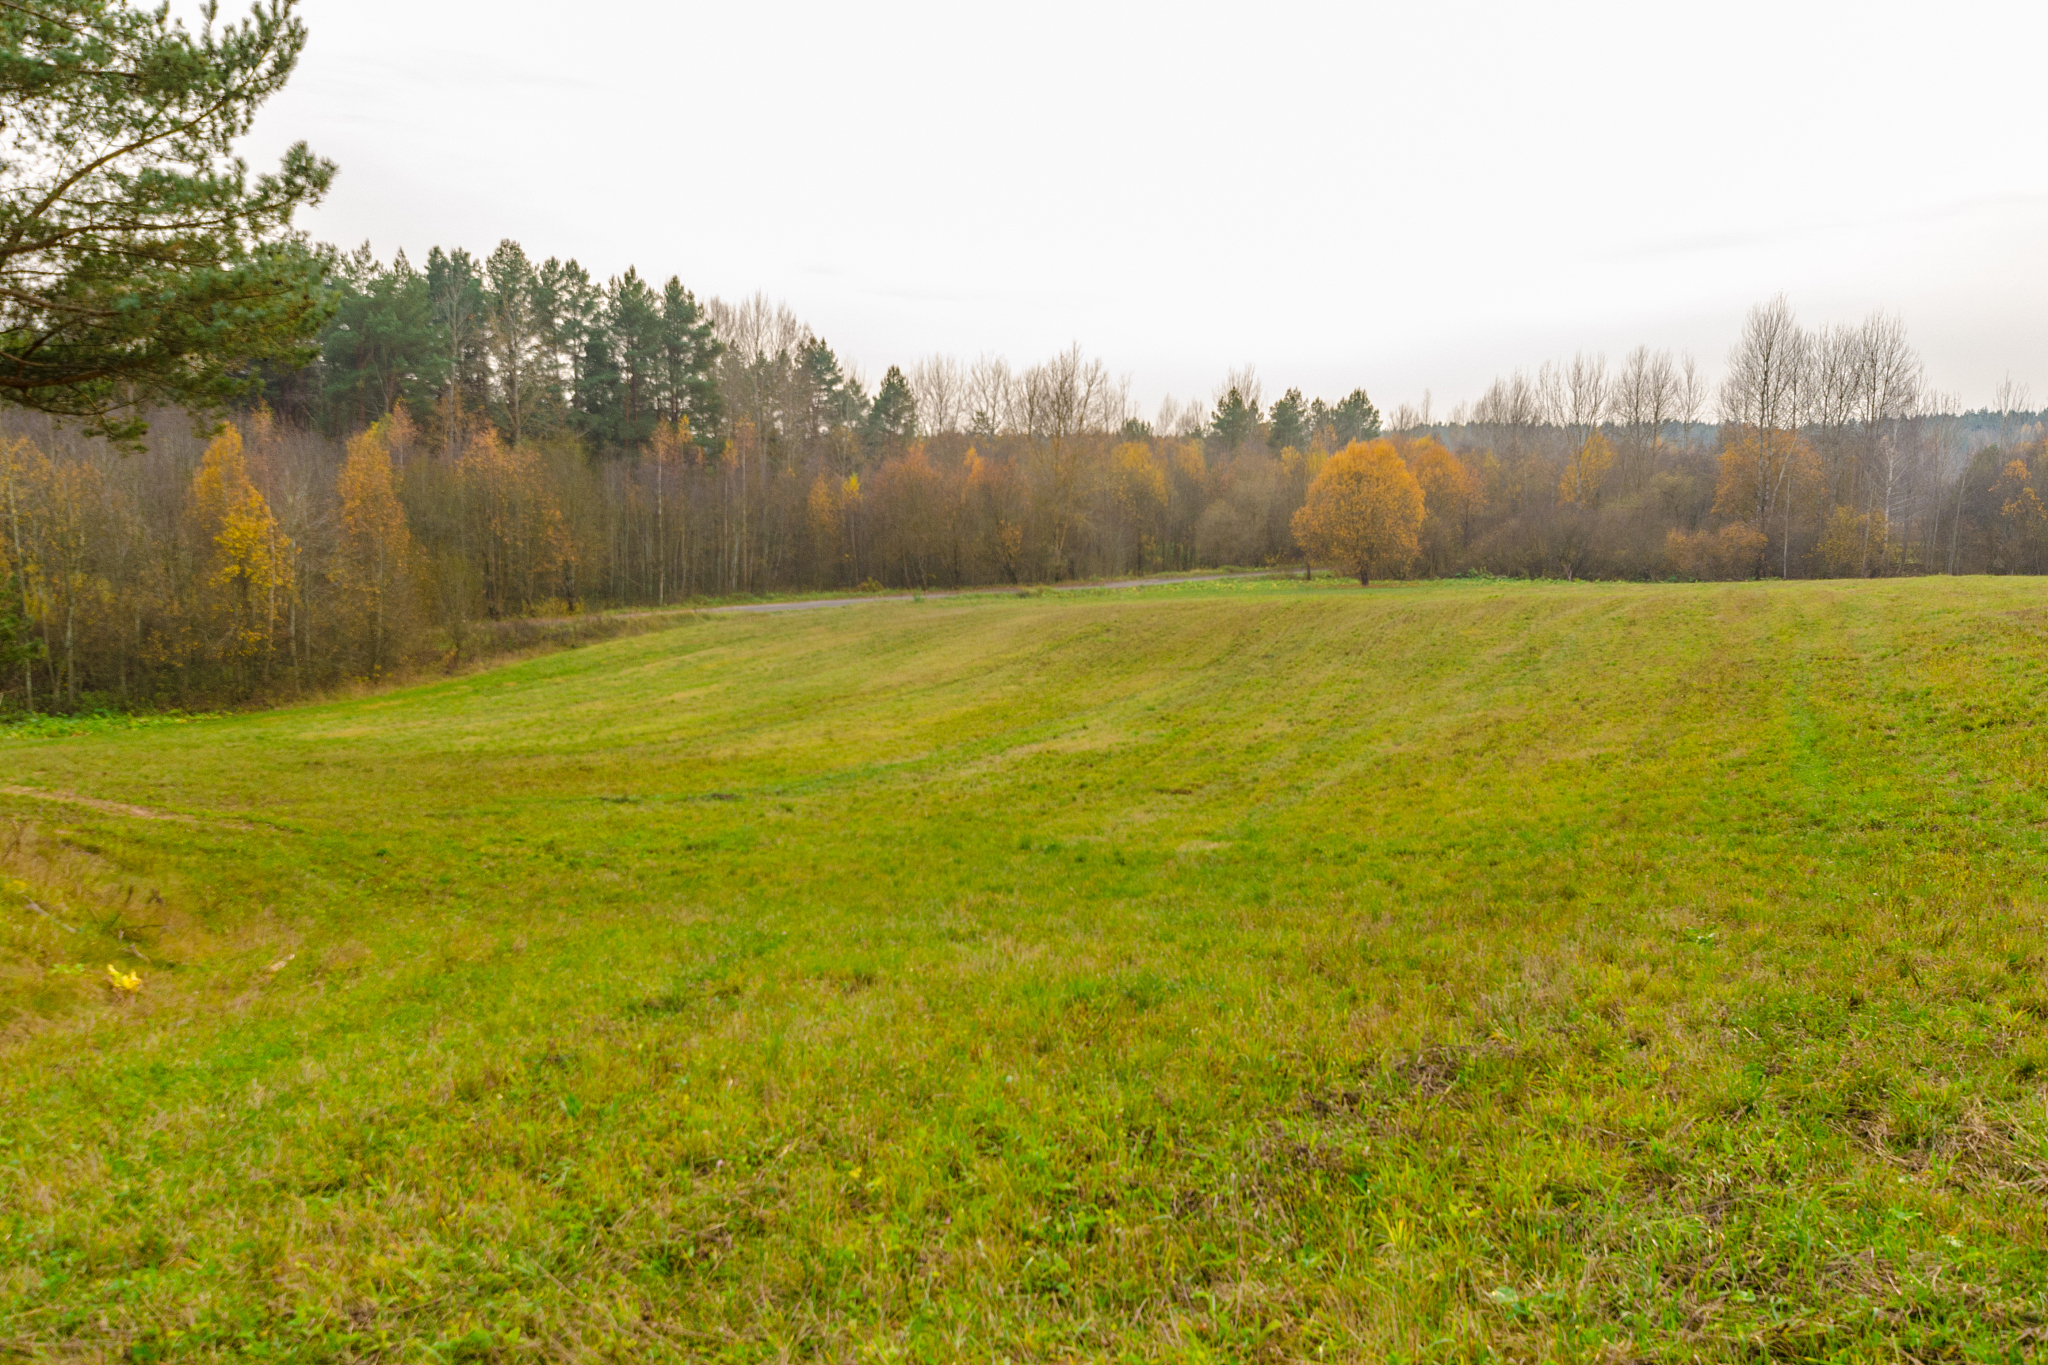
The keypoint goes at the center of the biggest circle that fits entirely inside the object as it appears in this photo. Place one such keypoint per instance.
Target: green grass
(1241, 971)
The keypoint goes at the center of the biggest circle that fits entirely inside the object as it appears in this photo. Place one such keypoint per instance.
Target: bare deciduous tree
(1581, 397)
(1645, 401)
(755, 328)
(1245, 380)
(939, 386)
(991, 396)
(1765, 393)
(1767, 370)
(2012, 402)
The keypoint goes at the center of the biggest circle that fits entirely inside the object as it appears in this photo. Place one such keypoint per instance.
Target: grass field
(1253, 970)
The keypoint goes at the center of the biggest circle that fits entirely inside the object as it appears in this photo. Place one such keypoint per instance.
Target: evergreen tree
(457, 295)
(1235, 420)
(1290, 427)
(633, 319)
(893, 415)
(1355, 419)
(689, 356)
(596, 400)
(512, 329)
(568, 308)
(1320, 427)
(381, 347)
(853, 401)
(830, 396)
(139, 264)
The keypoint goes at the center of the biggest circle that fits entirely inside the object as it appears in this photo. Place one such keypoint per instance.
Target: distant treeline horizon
(492, 438)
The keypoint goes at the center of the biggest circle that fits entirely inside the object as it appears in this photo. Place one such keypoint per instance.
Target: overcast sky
(1404, 197)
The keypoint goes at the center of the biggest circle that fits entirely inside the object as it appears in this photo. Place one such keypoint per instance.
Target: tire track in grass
(121, 808)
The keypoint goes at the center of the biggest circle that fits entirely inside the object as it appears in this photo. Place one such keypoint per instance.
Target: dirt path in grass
(117, 807)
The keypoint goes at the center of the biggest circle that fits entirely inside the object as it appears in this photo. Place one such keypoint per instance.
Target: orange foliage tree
(1363, 511)
(827, 522)
(914, 532)
(1451, 493)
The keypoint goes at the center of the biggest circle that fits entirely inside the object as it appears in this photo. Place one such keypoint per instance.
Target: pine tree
(633, 318)
(511, 327)
(596, 401)
(1322, 431)
(833, 400)
(892, 417)
(1235, 420)
(139, 264)
(458, 313)
(1290, 429)
(690, 353)
(1355, 419)
(381, 347)
(567, 308)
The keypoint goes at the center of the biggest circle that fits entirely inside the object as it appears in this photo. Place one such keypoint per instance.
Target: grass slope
(1252, 970)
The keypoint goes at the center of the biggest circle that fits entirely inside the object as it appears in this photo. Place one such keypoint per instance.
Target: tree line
(485, 440)
(413, 454)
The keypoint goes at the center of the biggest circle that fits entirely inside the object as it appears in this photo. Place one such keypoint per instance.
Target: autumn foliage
(1364, 511)
(264, 558)
(1453, 496)
(373, 564)
(1585, 472)
(244, 558)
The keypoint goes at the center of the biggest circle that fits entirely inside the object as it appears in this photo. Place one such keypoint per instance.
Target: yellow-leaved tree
(61, 530)
(1854, 545)
(827, 522)
(993, 509)
(246, 560)
(1136, 503)
(1729, 553)
(2021, 518)
(373, 557)
(1363, 511)
(1764, 475)
(1585, 472)
(516, 529)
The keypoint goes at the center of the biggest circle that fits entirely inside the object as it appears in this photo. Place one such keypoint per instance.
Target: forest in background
(485, 440)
